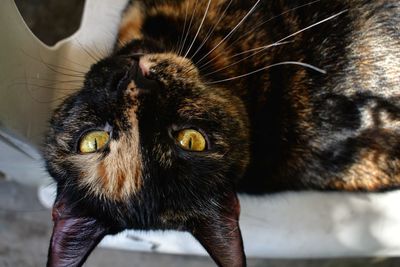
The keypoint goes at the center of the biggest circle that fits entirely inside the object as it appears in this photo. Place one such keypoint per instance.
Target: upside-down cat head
(147, 144)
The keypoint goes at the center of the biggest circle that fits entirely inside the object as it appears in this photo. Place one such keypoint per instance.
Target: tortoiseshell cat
(204, 99)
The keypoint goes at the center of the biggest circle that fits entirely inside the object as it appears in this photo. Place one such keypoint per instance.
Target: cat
(201, 100)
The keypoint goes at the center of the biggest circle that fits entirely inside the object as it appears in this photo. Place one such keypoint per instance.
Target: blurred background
(25, 225)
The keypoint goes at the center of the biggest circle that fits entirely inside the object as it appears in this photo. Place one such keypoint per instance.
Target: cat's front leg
(73, 238)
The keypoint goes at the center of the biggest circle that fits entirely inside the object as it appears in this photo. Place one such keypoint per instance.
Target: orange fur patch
(369, 173)
(117, 176)
(131, 24)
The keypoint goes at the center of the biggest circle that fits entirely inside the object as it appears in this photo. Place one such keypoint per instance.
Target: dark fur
(299, 128)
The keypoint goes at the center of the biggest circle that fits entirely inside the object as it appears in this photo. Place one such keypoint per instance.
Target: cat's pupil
(190, 143)
(93, 141)
(191, 140)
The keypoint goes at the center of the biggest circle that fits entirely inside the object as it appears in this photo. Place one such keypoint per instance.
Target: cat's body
(283, 95)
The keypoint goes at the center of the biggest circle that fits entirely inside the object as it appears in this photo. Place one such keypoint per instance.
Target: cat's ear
(74, 236)
(220, 235)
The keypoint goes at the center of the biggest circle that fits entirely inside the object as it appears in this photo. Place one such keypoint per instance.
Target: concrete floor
(25, 228)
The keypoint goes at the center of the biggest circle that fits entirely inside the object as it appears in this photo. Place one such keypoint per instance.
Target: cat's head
(147, 143)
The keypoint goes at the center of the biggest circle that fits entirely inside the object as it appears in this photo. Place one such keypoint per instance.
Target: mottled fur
(321, 111)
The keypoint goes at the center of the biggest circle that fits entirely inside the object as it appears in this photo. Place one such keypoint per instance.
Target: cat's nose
(145, 68)
(140, 74)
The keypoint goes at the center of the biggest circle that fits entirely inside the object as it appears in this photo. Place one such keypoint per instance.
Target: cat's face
(148, 144)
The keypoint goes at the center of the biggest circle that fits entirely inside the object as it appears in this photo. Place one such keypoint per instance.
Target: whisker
(100, 52)
(278, 43)
(44, 86)
(76, 63)
(86, 50)
(232, 231)
(49, 66)
(30, 92)
(183, 31)
(132, 55)
(232, 31)
(198, 30)
(271, 66)
(261, 24)
(281, 41)
(64, 73)
(190, 25)
(56, 81)
(212, 29)
(120, 43)
(64, 68)
(299, 31)
(53, 66)
(237, 62)
(59, 99)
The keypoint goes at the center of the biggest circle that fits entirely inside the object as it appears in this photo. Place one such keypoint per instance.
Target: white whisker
(300, 31)
(212, 29)
(261, 24)
(190, 25)
(279, 42)
(198, 30)
(271, 66)
(237, 62)
(263, 47)
(232, 31)
(180, 46)
(274, 17)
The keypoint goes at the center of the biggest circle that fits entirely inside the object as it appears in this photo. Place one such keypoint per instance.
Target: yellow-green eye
(191, 140)
(93, 141)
